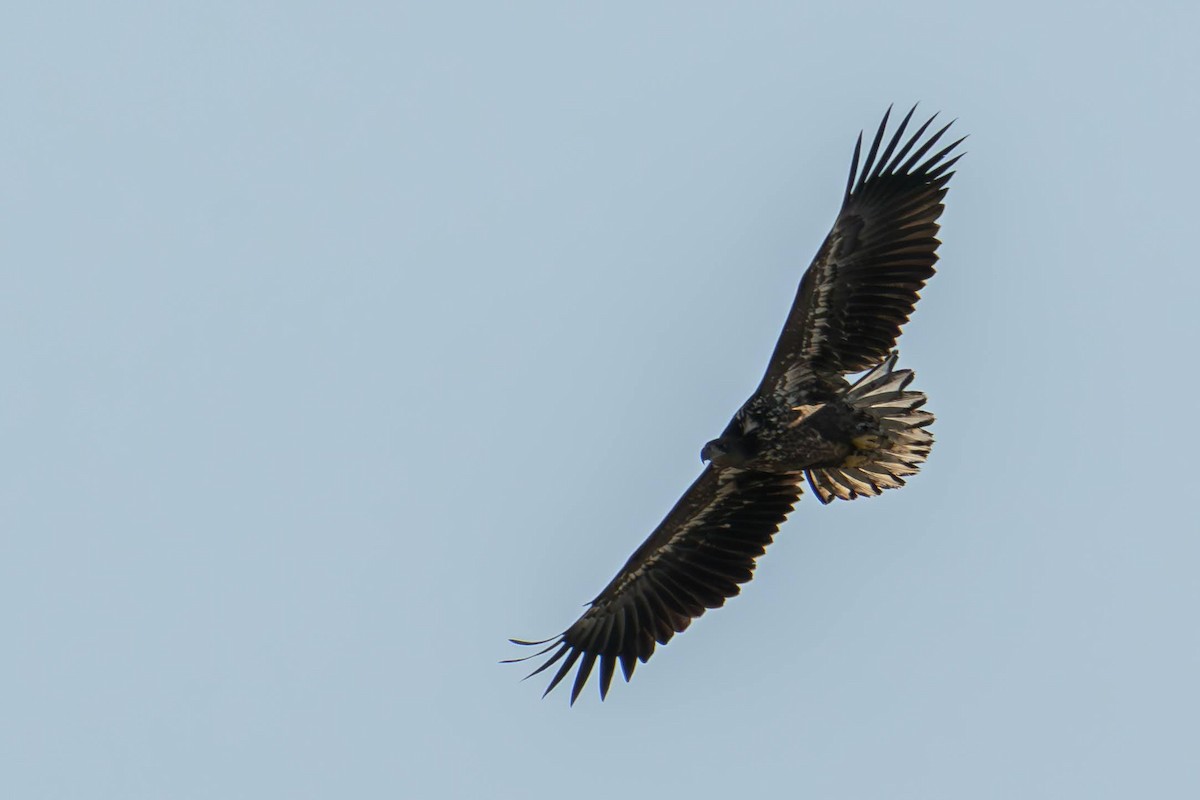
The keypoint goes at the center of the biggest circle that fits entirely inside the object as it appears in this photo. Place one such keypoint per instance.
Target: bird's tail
(898, 451)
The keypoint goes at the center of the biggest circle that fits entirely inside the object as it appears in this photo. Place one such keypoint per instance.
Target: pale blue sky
(342, 342)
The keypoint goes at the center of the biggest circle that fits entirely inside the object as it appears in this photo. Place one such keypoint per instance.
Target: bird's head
(727, 451)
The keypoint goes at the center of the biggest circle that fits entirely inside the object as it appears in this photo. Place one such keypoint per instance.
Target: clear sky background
(342, 342)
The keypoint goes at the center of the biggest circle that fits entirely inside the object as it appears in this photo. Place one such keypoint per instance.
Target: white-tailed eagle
(804, 423)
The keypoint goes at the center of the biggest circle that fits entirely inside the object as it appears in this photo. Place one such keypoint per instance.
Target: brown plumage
(804, 422)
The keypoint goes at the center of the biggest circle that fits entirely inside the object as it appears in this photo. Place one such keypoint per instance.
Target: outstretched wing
(862, 285)
(693, 561)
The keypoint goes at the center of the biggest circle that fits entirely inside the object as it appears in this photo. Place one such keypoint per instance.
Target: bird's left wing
(693, 561)
(865, 280)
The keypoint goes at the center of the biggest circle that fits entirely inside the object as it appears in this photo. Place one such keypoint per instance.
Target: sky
(342, 343)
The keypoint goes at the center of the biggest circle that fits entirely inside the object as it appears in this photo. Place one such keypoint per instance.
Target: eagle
(805, 423)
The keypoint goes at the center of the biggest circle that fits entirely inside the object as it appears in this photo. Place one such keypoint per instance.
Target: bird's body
(788, 433)
(804, 423)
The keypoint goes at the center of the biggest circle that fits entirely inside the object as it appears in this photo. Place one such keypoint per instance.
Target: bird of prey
(806, 422)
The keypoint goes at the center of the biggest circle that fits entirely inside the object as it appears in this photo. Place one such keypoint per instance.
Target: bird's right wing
(693, 561)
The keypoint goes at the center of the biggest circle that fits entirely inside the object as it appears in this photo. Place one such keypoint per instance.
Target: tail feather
(882, 393)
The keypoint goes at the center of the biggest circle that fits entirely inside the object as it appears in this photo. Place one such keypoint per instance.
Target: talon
(868, 441)
(803, 412)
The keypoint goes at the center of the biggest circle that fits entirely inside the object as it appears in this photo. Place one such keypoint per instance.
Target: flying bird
(805, 423)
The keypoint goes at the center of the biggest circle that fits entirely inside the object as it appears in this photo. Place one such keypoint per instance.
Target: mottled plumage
(804, 422)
